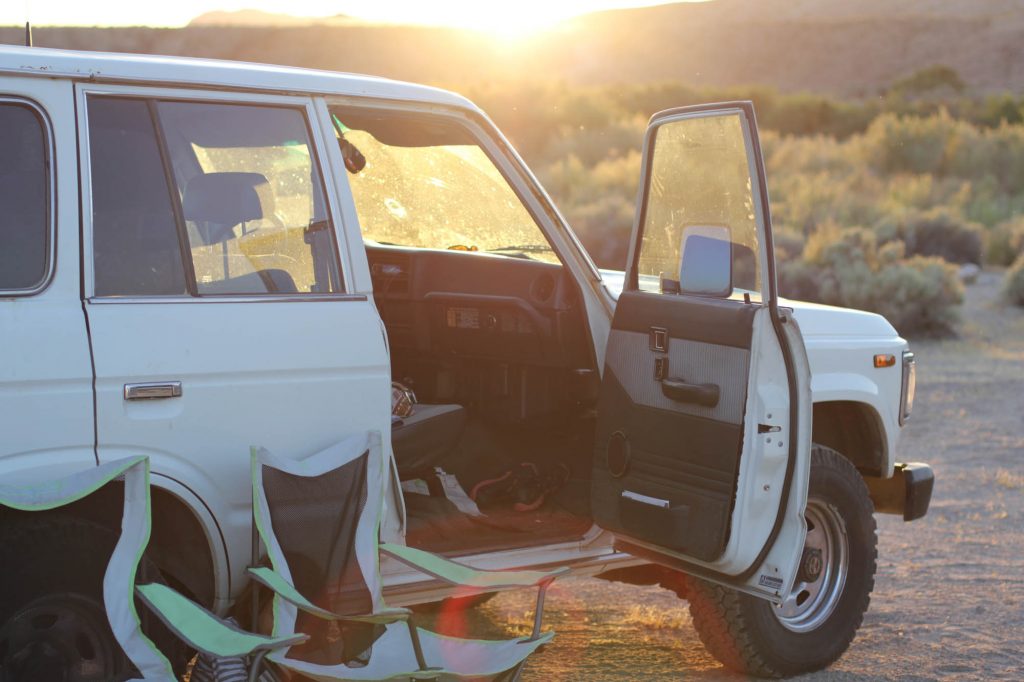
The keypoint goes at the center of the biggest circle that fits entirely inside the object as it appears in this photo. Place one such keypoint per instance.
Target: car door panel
(292, 371)
(697, 479)
(696, 465)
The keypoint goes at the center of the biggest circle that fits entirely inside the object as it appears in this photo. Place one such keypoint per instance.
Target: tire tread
(724, 625)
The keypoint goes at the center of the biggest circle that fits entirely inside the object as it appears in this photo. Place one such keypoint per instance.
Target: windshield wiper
(521, 250)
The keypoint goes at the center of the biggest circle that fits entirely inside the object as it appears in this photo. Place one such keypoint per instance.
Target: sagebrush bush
(1004, 243)
(847, 267)
(938, 232)
(1013, 284)
(788, 245)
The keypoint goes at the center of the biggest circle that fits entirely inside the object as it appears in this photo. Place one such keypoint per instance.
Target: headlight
(909, 386)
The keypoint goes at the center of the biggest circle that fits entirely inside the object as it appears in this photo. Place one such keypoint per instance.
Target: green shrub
(1013, 284)
(789, 246)
(919, 295)
(909, 144)
(846, 267)
(799, 280)
(938, 232)
(1005, 242)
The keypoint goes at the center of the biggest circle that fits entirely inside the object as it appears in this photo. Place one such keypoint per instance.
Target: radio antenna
(28, 34)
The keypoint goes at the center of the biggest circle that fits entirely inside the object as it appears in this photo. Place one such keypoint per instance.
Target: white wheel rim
(811, 603)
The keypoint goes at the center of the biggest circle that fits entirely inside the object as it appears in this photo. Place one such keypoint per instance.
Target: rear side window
(24, 199)
(135, 240)
(207, 199)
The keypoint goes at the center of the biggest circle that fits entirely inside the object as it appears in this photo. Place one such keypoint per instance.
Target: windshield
(427, 183)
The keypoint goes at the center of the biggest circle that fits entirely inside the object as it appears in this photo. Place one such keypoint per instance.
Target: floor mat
(436, 525)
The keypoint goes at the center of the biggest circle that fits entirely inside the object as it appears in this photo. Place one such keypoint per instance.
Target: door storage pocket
(654, 520)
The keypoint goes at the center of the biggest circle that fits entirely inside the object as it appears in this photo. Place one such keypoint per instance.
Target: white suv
(199, 256)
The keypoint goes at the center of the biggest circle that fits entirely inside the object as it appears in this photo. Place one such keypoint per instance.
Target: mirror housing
(706, 258)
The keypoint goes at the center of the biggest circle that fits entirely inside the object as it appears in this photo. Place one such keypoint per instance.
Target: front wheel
(816, 623)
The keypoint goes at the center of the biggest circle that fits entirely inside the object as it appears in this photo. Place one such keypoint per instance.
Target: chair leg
(257, 663)
(538, 613)
(538, 620)
(414, 635)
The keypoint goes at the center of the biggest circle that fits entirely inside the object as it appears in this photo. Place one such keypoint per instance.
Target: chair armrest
(273, 580)
(467, 576)
(204, 631)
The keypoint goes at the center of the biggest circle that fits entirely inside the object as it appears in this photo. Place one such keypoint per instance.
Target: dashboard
(444, 304)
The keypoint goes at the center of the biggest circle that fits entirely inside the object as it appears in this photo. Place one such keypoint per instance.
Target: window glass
(699, 195)
(252, 199)
(427, 183)
(24, 224)
(136, 251)
(244, 212)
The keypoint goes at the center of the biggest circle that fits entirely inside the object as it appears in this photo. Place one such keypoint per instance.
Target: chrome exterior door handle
(151, 391)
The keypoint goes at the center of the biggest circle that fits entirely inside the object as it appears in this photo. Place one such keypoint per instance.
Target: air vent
(390, 274)
(543, 287)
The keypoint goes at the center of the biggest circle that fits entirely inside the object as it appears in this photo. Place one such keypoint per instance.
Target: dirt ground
(949, 593)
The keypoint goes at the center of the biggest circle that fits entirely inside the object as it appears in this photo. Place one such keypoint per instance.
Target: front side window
(700, 221)
(207, 199)
(24, 199)
(428, 183)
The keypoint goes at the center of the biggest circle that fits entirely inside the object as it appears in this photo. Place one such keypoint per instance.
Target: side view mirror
(706, 259)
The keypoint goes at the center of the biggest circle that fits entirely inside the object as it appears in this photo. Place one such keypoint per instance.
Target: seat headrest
(227, 199)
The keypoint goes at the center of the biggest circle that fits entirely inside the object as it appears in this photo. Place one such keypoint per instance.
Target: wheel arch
(856, 430)
(179, 543)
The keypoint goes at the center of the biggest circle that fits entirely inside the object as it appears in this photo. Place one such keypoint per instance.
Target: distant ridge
(848, 47)
(255, 17)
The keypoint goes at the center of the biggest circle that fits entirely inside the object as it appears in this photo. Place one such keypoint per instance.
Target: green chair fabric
(50, 492)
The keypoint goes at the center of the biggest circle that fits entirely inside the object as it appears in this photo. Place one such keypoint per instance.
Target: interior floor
(486, 454)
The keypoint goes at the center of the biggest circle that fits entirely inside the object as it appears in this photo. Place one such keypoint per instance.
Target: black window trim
(307, 110)
(46, 126)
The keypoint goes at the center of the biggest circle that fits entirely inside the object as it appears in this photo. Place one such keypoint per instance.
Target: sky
(521, 16)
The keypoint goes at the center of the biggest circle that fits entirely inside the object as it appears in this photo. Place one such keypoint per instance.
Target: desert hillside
(834, 46)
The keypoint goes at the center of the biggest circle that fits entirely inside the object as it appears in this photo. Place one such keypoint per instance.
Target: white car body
(48, 375)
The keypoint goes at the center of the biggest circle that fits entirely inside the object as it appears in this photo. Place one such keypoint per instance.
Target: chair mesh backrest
(314, 520)
(318, 525)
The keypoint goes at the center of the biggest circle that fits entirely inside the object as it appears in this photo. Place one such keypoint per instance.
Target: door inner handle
(152, 390)
(682, 392)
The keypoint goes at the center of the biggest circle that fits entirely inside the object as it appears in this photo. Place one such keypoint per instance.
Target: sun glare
(506, 21)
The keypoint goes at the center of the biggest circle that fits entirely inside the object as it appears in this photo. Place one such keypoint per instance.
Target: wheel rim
(811, 602)
(57, 638)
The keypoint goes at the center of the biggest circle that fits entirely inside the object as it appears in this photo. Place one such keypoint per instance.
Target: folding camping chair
(119, 576)
(319, 519)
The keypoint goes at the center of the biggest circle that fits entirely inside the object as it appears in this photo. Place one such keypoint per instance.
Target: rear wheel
(816, 623)
(53, 624)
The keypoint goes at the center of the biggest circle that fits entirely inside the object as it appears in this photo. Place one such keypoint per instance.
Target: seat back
(319, 519)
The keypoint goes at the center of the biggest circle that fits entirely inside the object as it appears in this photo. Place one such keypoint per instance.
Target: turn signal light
(885, 361)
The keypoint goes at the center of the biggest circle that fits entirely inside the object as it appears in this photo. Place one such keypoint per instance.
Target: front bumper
(908, 492)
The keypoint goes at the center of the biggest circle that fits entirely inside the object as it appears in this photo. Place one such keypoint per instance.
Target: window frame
(755, 166)
(552, 226)
(487, 145)
(304, 105)
(46, 125)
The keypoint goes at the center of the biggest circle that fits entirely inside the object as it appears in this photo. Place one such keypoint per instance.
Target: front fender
(843, 370)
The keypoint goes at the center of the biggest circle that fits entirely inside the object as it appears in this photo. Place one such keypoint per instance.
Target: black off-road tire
(51, 576)
(745, 633)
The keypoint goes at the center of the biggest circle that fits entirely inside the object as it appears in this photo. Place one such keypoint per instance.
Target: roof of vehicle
(116, 67)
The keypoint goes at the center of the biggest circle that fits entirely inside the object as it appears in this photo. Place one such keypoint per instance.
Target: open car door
(703, 433)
